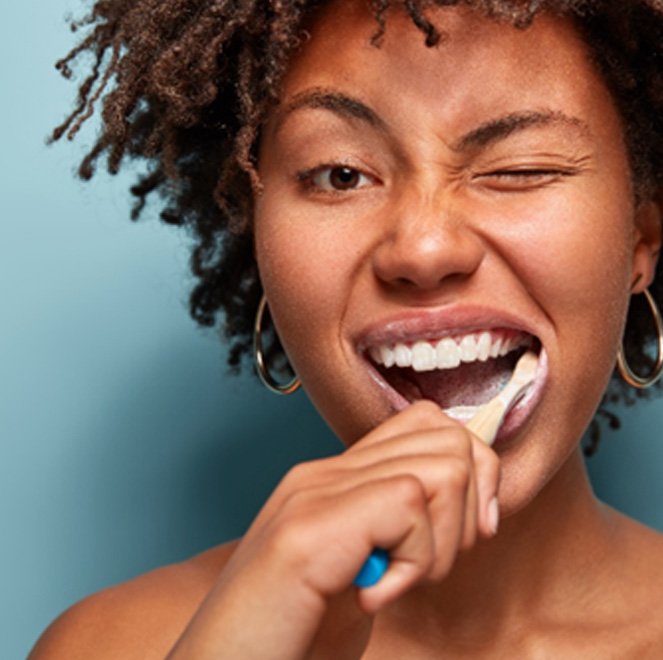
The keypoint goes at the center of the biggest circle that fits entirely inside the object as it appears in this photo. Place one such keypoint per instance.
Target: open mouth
(458, 372)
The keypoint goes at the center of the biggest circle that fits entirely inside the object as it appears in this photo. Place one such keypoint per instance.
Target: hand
(419, 485)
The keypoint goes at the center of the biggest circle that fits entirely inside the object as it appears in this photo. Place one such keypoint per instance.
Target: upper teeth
(447, 353)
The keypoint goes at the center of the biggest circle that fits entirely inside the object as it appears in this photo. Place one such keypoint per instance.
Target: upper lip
(416, 325)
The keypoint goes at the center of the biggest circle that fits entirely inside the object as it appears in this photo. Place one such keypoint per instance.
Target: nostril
(404, 281)
(416, 259)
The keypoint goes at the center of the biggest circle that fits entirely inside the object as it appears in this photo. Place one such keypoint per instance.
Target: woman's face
(476, 193)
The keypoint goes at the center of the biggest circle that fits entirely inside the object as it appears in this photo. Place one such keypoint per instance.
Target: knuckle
(290, 537)
(409, 491)
(489, 463)
(292, 503)
(428, 412)
(297, 514)
(485, 456)
(494, 463)
(300, 475)
(462, 442)
(296, 473)
(456, 473)
(299, 524)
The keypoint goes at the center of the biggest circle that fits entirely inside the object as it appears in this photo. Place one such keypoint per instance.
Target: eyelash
(525, 172)
(526, 177)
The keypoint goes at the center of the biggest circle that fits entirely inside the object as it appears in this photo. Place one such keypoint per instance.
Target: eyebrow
(502, 127)
(483, 135)
(340, 104)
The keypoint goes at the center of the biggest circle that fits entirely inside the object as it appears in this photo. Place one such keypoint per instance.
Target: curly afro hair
(185, 85)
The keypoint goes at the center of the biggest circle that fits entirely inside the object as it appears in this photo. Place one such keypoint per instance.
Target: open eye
(335, 178)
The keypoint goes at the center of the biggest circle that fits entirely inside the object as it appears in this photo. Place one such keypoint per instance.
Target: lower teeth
(458, 391)
(462, 413)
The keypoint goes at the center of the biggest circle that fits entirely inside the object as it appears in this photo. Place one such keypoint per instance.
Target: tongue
(467, 385)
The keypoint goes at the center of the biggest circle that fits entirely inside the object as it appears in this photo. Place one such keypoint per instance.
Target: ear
(647, 247)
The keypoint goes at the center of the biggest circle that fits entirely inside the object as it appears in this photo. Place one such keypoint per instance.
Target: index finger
(422, 415)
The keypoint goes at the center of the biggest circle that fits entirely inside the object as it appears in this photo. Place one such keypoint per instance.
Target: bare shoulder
(640, 550)
(642, 546)
(141, 618)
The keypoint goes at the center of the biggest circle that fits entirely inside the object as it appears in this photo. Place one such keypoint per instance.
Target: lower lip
(515, 419)
(520, 414)
(398, 401)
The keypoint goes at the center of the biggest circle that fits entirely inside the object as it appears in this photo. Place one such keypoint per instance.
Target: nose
(426, 243)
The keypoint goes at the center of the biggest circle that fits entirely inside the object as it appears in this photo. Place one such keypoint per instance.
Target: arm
(419, 485)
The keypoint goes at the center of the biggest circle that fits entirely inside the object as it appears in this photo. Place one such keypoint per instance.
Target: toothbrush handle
(373, 569)
(484, 424)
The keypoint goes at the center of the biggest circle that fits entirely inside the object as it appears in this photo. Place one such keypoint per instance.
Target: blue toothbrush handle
(373, 569)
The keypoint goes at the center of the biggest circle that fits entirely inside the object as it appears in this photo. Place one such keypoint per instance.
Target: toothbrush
(485, 424)
(487, 421)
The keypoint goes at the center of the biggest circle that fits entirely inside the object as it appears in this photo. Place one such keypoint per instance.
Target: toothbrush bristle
(486, 423)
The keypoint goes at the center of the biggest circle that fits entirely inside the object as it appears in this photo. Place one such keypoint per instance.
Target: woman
(475, 179)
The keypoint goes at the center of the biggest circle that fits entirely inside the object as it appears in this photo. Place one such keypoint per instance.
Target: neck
(543, 561)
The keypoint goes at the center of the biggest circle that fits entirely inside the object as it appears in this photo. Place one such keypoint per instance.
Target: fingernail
(493, 516)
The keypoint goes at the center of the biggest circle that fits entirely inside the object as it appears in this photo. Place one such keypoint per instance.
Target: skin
(455, 227)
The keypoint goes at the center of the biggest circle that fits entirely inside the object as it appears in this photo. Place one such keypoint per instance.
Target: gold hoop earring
(624, 369)
(261, 367)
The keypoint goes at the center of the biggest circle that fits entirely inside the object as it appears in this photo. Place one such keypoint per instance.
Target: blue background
(123, 443)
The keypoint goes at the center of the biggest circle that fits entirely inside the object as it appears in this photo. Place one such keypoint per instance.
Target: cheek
(297, 262)
(305, 271)
(578, 271)
(576, 254)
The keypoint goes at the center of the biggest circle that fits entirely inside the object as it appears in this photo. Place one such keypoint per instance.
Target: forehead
(479, 67)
